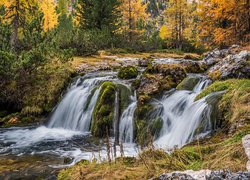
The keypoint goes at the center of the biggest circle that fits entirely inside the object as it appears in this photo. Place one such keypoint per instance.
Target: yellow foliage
(135, 10)
(165, 32)
(223, 22)
(50, 17)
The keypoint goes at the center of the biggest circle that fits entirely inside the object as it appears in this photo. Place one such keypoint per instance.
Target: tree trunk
(14, 36)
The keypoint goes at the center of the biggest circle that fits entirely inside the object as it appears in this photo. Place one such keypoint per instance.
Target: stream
(66, 139)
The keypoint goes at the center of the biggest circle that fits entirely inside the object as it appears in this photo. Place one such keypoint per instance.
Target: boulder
(158, 78)
(144, 62)
(232, 66)
(102, 117)
(128, 72)
(188, 83)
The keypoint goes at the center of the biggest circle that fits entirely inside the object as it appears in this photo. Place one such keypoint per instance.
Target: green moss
(103, 112)
(124, 98)
(234, 104)
(128, 72)
(188, 83)
(215, 75)
(144, 131)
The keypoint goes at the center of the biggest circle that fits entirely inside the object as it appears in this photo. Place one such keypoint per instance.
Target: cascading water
(127, 122)
(181, 116)
(66, 134)
(75, 110)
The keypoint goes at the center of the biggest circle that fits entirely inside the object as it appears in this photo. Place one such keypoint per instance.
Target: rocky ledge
(210, 174)
(205, 175)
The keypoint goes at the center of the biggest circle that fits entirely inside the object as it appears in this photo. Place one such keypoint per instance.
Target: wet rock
(102, 117)
(188, 83)
(144, 62)
(246, 145)
(232, 66)
(192, 66)
(160, 77)
(205, 175)
(128, 72)
(68, 160)
(215, 56)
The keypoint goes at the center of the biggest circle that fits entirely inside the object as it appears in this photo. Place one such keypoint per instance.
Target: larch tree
(50, 16)
(16, 13)
(224, 22)
(134, 16)
(177, 17)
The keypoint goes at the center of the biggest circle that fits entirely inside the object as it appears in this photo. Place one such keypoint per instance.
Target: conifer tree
(99, 14)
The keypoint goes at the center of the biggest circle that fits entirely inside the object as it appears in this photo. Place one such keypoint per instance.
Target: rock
(102, 117)
(204, 175)
(190, 56)
(215, 56)
(188, 83)
(144, 62)
(192, 66)
(128, 72)
(68, 160)
(232, 66)
(246, 145)
(158, 78)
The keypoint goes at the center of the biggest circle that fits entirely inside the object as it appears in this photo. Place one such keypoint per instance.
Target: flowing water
(126, 128)
(181, 116)
(66, 139)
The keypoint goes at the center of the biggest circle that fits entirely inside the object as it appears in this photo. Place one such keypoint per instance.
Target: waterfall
(182, 115)
(126, 122)
(74, 112)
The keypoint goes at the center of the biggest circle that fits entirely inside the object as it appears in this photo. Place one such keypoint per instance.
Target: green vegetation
(104, 110)
(128, 72)
(234, 105)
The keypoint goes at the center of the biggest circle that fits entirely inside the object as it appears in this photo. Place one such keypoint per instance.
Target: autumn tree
(177, 16)
(224, 22)
(15, 12)
(134, 16)
(50, 16)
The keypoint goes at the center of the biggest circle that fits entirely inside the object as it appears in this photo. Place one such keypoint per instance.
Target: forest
(124, 89)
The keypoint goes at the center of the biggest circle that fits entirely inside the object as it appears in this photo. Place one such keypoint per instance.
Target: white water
(74, 112)
(181, 116)
(126, 127)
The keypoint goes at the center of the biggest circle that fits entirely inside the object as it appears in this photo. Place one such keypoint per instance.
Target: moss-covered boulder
(128, 72)
(159, 78)
(124, 94)
(103, 114)
(233, 108)
(193, 66)
(188, 83)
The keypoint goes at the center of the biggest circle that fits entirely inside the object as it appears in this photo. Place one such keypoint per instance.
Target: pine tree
(99, 14)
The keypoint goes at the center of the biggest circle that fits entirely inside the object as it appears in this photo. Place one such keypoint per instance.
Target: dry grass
(219, 152)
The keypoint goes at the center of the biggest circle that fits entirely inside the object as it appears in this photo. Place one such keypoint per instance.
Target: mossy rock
(142, 123)
(128, 72)
(124, 96)
(102, 118)
(188, 83)
(214, 75)
(234, 104)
